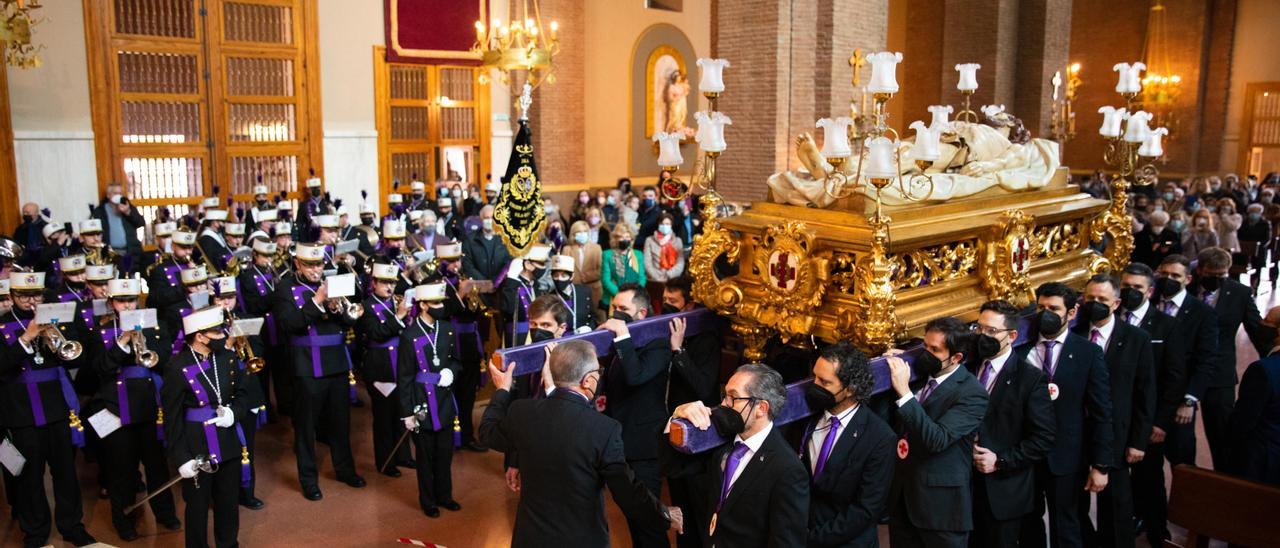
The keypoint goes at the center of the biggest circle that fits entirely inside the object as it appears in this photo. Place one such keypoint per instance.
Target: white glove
(225, 419)
(446, 378)
(410, 423)
(188, 469)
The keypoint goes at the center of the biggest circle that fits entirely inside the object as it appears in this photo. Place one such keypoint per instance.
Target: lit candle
(712, 75)
(835, 142)
(926, 147)
(884, 67)
(1112, 117)
(479, 31)
(881, 162)
(968, 76)
(555, 27)
(1130, 80)
(710, 134)
(1151, 148)
(668, 149)
(940, 122)
(1137, 131)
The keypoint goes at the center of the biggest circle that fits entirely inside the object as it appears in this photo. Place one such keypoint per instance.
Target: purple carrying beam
(528, 358)
(687, 439)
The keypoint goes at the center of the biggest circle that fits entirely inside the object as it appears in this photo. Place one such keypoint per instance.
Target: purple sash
(199, 415)
(427, 379)
(33, 377)
(122, 394)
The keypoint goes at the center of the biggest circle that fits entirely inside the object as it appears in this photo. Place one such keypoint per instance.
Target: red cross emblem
(782, 270)
(1021, 259)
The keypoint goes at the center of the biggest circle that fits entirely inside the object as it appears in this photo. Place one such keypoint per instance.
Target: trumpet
(344, 306)
(145, 357)
(244, 351)
(101, 255)
(65, 350)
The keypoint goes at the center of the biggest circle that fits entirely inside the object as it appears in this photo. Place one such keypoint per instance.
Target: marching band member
(576, 297)
(418, 196)
(194, 280)
(284, 246)
(261, 203)
(470, 347)
(395, 205)
(163, 276)
(40, 411)
(234, 235)
(392, 251)
(226, 296)
(424, 381)
(284, 214)
(72, 287)
(163, 234)
(205, 403)
(520, 290)
(131, 358)
(57, 245)
(316, 329)
(212, 245)
(380, 326)
(263, 222)
(96, 251)
(257, 282)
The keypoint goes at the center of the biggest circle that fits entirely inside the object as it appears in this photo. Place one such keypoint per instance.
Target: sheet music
(131, 320)
(341, 285)
(246, 327)
(55, 313)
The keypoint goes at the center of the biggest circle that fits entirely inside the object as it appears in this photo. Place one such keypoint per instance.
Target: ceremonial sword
(419, 413)
(202, 465)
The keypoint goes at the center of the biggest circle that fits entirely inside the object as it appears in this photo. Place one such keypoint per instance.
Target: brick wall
(556, 117)
(1042, 50)
(1218, 59)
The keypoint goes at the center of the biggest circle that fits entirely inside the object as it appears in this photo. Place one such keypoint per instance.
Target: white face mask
(487, 224)
(580, 237)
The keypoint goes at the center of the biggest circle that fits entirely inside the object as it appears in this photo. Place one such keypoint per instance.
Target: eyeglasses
(988, 331)
(724, 396)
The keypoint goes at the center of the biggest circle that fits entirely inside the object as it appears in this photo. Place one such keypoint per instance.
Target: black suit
(768, 505)
(567, 453)
(1132, 374)
(1234, 305)
(380, 329)
(1083, 406)
(579, 304)
(1019, 428)
(1255, 423)
(636, 385)
(415, 386)
(848, 499)
(932, 503)
(695, 371)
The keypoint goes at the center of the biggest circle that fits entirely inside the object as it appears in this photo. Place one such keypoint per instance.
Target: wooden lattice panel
(168, 18)
(257, 23)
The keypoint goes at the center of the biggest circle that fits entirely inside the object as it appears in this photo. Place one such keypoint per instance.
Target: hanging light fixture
(1161, 85)
(15, 30)
(520, 45)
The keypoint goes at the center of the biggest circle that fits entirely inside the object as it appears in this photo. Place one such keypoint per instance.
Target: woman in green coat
(622, 263)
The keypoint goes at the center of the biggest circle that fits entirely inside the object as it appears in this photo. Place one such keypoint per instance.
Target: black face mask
(1048, 324)
(74, 284)
(538, 272)
(729, 422)
(1167, 287)
(315, 192)
(1131, 299)
(28, 219)
(624, 244)
(1094, 311)
(1210, 283)
(926, 365)
(987, 346)
(563, 285)
(393, 252)
(620, 315)
(819, 398)
(367, 221)
(438, 313)
(217, 345)
(540, 335)
(668, 309)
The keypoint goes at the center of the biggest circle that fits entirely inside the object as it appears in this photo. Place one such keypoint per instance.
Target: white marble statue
(972, 158)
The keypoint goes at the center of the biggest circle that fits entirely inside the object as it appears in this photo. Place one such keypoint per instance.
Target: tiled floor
(387, 508)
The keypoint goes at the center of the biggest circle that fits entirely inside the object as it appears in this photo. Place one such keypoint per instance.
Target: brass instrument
(370, 233)
(11, 252)
(233, 264)
(253, 364)
(101, 256)
(280, 262)
(65, 350)
(344, 306)
(145, 357)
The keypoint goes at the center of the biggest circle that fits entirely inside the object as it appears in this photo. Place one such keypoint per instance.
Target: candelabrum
(704, 176)
(967, 114)
(1132, 154)
(1063, 125)
(916, 187)
(1130, 158)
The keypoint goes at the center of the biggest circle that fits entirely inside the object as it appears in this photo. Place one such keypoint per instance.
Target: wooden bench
(1213, 505)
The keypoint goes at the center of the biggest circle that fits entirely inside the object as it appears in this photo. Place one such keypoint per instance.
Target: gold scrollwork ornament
(792, 278)
(715, 241)
(1006, 258)
(878, 326)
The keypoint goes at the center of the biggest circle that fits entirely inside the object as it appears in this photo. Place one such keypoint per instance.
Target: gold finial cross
(857, 62)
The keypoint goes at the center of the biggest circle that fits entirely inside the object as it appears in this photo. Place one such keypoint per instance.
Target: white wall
(1252, 60)
(347, 38)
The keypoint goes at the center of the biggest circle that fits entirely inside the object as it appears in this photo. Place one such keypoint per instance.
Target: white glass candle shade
(881, 161)
(926, 147)
(991, 111)
(1130, 77)
(1137, 130)
(968, 76)
(1112, 117)
(710, 134)
(1152, 147)
(835, 142)
(884, 68)
(712, 75)
(668, 149)
(940, 121)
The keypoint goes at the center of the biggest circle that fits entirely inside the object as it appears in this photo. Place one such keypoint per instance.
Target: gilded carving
(1054, 240)
(1115, 224)
(791, 276)
(1006, 258)
(715, 241)
(874, 297)
(934, 264)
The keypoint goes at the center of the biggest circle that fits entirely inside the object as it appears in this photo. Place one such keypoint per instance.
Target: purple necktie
(927, 390)
(985, 377)
(827, 443)
(1168, 307)
(1096, 337)
(730, 466)
(1047, 363)
(1130, 318)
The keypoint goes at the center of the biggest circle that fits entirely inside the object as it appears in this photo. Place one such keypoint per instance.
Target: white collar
(1105, 330)
(1179, 298)
(1141, 312)
(754, 442)
(941, 379)
(844, 416)
(998, 362)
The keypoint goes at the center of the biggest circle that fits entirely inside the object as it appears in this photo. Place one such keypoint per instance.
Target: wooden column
(10, 208)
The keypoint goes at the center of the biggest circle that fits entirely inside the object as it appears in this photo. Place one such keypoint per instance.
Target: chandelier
(521, 45)
(1161, 85)
(15, 30)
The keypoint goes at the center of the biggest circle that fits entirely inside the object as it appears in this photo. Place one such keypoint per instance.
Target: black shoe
(128, 536)
(476, 447)
(171, 524)
(80, 538)
(392, 472)
(431, 512)
(408, 463)
(252, 503)
(451, 505)
(354, 481)
(312, 493)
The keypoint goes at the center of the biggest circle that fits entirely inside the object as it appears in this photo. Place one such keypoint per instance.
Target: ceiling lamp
(523, 45)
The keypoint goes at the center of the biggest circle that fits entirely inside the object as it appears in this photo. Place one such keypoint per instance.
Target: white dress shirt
(1177, 302)
(997, 365)
(1139, 313)
(753, 445)
(1036, 355)
(1104, 331)
(939, 380)
(824, 428)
